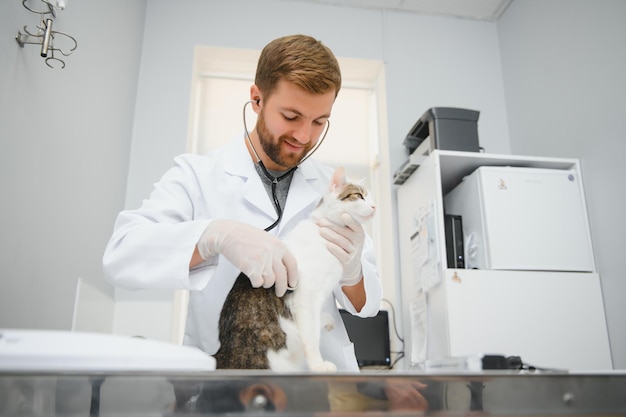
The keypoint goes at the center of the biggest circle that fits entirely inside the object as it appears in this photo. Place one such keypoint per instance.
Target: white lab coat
(151, 246)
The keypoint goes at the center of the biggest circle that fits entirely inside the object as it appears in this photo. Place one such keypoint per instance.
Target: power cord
(395, 329)
(516, 363)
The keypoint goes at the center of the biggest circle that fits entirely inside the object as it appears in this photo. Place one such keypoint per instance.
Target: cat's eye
(353, 196)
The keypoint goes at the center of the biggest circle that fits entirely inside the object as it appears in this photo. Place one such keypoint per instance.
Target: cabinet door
(419, 198)
(550, 319)
(534, 219)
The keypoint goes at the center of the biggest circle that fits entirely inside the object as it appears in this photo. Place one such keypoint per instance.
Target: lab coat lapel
(303, 191)
(303, 195)
(238, 162)
(254, 192)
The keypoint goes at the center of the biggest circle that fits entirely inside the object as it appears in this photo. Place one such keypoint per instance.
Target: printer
(448, 128)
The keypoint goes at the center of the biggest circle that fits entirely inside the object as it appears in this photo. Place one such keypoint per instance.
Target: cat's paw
(327, 322)
(324, 366)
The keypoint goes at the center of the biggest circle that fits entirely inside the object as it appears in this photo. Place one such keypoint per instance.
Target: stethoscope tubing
(268, 175)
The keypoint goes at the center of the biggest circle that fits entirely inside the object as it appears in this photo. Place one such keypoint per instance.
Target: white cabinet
(551, 319)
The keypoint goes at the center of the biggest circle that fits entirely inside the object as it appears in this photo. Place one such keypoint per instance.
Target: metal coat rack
(44, 35)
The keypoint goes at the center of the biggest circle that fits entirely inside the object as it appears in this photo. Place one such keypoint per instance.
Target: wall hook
(45, 36)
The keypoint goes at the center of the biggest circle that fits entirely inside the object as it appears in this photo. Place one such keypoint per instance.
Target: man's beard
(273, 149)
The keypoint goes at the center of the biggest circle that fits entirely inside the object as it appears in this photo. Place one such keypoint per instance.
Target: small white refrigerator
(516, 218)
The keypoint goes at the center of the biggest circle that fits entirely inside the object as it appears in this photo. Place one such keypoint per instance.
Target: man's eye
(290, 119)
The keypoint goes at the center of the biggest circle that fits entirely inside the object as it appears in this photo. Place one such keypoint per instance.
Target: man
(214, 215)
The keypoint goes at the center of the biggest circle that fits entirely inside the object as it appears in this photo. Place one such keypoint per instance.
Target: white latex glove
(261, 256)
(346, 243)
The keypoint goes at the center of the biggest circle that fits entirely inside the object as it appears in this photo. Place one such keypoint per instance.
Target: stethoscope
(268, 175)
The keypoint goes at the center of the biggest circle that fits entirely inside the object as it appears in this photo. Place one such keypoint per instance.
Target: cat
(257, 329)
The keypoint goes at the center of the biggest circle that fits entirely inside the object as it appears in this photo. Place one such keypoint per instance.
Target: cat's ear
(338, 179)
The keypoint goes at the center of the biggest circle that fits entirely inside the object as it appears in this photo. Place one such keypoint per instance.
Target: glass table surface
(370, 393)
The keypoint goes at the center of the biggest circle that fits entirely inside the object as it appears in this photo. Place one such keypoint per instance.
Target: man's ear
(255, 96)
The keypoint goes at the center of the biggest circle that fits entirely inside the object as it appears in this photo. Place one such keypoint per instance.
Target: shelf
(455, 165)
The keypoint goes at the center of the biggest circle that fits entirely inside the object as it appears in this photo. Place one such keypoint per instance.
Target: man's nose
(303, 133)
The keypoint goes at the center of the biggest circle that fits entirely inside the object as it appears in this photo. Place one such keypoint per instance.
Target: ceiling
(489, 10)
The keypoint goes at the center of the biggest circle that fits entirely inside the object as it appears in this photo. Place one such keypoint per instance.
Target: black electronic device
(454, 241)
(370, 336)
(448, 128)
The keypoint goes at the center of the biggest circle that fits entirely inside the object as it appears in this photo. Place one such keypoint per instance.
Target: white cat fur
(319, 273)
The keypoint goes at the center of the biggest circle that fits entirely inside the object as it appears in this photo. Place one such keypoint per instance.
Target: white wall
(65, 137)
(564, 63)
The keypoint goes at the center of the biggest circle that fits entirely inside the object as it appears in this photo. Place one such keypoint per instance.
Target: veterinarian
(211, 216)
